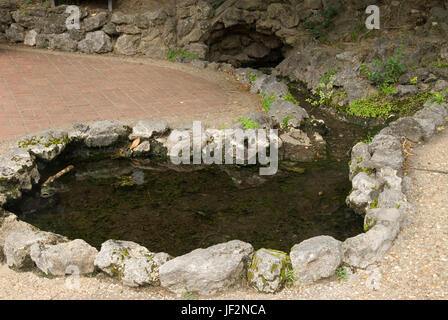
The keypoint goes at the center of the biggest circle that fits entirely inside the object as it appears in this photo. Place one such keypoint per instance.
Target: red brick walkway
(42, 90)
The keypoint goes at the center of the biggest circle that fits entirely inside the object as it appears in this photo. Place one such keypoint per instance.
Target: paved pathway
(40, 90)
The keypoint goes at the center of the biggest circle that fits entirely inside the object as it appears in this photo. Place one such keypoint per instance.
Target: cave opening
(243, 46)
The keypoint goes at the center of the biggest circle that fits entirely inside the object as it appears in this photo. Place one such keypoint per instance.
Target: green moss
(374, 204)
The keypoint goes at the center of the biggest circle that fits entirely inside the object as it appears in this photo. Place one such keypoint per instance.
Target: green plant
(439, 97)
(341, 273)
(172, 54)
(387, 89)
(374, 204)
(190, 295)
(290, 278)
(439, 64)
(267, 102)
(414, 80)
(248, 124)
(289, 97)
(285, 121)
(325, 89)
(386, 72)
(373, 106)
(252, 77)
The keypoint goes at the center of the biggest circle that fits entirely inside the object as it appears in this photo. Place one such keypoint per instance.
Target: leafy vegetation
(248, 124)
(325, 89)
(341, 273)
(267, 102)
(381, 106)
(174, 53)
(290, 278)
(289, 97)
(285, 122)
(386, 72)
(252, 77)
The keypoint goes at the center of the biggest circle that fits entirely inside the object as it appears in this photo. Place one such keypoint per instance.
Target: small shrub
(386, 72)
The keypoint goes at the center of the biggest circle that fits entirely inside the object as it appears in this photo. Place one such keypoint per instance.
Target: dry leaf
(134, 144)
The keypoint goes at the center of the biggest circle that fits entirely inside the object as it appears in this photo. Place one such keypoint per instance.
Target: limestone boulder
(96, 42)
(133, 264)
(316, 258)
(207, 271)
(61, 259)
(268, 269)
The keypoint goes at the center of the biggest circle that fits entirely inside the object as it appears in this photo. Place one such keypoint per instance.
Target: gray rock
(267, 271)
(59, 259)
(63, 42)
(18, 244)
(148, 129)
(436, 114)
(128, 29)
(47, 145)
(360, 157)
(207, 271)
(9, 223)
(391, 199)
(316, 258)
(406, 127)
(133, 264)
(15, 33)
(127, 44)
(368, 248)
(121, 18)
(18, 171)
(95, 22)
(30, 38)
(390, 177)
(96, 42)
(388, 217)
(271, 86)
(281, 110)
(404, 90)
(383, 225)
(365, 190)
(105, 133)
(110, 29)
(428, 126)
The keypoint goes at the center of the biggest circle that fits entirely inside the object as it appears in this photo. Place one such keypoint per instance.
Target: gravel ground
(415, 267)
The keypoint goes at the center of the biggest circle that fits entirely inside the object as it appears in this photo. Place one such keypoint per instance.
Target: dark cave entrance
(243, 46)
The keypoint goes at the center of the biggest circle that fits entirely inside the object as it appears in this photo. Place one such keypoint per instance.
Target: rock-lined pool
(178, 209)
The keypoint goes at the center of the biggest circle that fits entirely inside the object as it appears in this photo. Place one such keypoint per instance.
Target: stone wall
(214, 30)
